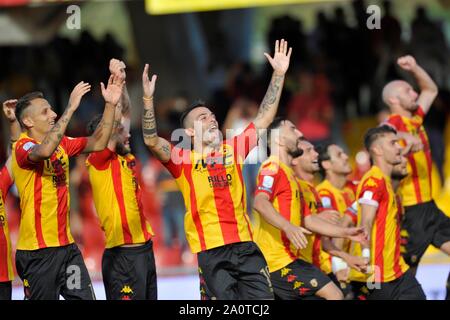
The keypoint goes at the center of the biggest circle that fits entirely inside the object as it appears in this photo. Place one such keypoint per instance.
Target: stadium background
(213, 50)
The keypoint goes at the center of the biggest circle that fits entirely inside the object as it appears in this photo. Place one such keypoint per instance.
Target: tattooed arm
(51, 141)
(269, 105)
(160, 147)
(112, 93)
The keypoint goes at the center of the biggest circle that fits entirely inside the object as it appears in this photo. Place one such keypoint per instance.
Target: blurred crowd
(336, 77)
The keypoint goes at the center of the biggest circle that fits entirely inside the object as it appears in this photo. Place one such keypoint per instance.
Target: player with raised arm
(210, 179)
(47, 259)
(424, 222)
(6, 181)
(128, 264)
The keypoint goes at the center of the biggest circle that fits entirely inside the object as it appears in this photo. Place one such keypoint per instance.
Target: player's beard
(122, 149)
(297, 152)
(344, 170)
(411, 107)
(212, 137)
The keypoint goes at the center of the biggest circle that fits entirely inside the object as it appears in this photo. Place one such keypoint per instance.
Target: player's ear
(276, 138)
(28, 122)
(376, 149)
(189, 132)
(294, 161)
(393, 100)
(326, 164)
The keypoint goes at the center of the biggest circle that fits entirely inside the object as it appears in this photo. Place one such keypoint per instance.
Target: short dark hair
(93, 124)
(24, 102)
(322, 150)
(195, 105)
(373, 134)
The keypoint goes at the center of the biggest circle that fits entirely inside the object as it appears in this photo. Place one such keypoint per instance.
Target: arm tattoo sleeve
(271, 95)
(149, 124)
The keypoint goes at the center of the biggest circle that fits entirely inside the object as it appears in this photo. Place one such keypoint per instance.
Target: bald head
(399, 94)
(390, 90)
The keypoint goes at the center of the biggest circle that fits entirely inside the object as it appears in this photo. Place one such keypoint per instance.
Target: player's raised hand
(296, 235)
(9, 109)
(407, 63)
(113, 91)
(281, 57)
(148, 86)
(117, 68)
(77, 93)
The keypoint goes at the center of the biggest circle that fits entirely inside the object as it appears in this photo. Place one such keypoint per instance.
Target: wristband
(147, 98)
(366, 253)
(337, 264)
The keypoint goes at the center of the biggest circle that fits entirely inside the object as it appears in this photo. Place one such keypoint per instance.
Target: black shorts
(425, 224)
(359, 290)
(234, 271)
(404, 288)
(5, 290)
(343, 286)
(129, 273)
(51, 272)
(298, 280)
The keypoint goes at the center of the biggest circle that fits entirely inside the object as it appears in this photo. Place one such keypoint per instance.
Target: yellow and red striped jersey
(278, 181)
(417, 186)
(340, 200)
(117, 198)
(312, 252)
(337, 199)
(44, 193)
(214, 192)
(386, 261)
(6, 267)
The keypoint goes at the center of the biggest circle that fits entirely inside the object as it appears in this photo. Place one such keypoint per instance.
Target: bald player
(424, 223)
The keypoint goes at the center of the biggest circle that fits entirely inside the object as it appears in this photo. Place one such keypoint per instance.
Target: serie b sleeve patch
(326, 202)
(367, 198)
(27, 146)
(368, 195)
(268, 182)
